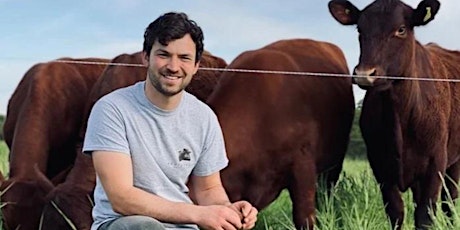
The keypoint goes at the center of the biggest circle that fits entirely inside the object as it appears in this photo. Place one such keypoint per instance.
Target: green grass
(4, 158)
(355, 203)
(278, 215)
(355, 167)
(4, 152)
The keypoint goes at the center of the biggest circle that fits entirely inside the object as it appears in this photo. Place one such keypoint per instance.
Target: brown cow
(411, 127)
(282, 131)
(73, 197)
(41, 128)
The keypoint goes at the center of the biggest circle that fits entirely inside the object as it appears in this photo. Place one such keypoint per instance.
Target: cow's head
(386, 36)
(69, 207)
(23, 200)
(204, 81)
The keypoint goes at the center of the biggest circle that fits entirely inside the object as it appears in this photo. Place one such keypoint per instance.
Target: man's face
(171, 67)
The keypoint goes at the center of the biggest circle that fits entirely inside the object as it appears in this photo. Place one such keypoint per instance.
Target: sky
(39, 31)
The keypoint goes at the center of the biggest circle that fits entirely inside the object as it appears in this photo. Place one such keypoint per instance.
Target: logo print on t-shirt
(184, 155)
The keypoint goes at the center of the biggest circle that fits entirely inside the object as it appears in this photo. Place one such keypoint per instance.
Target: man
(150, 140)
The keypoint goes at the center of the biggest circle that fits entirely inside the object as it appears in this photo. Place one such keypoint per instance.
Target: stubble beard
(155, 81)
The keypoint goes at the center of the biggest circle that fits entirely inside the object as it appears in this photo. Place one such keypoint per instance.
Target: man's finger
(245, 207)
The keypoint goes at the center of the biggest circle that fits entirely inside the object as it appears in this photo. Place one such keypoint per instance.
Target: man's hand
(219, 217)
(247, 212)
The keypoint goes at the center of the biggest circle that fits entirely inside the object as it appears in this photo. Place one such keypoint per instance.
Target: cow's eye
(401, 31)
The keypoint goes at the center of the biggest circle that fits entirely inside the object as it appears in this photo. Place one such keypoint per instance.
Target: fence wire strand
(295, 73)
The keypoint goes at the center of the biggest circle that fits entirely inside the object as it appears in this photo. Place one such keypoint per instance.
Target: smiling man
(150, 140)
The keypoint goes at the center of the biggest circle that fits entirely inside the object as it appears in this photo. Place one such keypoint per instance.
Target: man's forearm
(135, 201)
(212, 196)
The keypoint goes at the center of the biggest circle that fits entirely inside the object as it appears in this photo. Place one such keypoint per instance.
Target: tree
(2, 119)
(356, 147)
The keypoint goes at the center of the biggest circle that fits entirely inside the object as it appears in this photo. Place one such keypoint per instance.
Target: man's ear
(197, 65)
(145, 58)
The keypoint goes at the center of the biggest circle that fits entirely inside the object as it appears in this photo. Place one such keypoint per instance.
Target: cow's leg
(332, 176)
(451, 179)
(426, 192)
(422, 207)
(394, 206)
(302, 190)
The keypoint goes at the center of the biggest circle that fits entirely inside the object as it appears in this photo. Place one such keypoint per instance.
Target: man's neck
(160, 100)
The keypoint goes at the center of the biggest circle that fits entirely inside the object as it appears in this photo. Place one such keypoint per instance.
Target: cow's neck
(412, 96)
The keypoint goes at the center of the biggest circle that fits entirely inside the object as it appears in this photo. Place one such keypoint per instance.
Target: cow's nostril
(373, 72)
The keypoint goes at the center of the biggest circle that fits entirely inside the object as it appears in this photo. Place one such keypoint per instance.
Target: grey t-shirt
(165, 146)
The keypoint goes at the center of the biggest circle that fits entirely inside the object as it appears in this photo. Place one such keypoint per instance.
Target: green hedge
(2, 119)
(356, 147)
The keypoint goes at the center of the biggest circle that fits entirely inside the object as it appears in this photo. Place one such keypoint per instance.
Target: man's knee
(135, 223)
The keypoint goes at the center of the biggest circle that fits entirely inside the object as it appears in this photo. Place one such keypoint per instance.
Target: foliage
(356, 146)
(4, 152)
(4, 168)
(2, 120)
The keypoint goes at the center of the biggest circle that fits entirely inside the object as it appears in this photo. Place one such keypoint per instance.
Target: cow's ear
(344, 12)
(43, 182)
(425, 12)
(61, 176)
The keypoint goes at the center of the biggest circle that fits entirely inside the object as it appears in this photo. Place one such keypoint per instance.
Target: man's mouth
(170, 77)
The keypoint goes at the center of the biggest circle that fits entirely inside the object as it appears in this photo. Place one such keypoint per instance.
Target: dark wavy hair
(172, 26)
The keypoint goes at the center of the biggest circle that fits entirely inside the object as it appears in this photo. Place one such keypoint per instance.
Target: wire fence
(257, 71)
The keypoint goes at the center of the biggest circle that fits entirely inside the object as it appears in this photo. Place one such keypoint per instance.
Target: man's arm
(208, 190)
(115, 173)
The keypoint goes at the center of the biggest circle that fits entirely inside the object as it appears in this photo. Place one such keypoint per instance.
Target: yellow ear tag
(428, 14)
(347, 11)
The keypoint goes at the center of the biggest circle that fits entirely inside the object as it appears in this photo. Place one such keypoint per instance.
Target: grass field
(354, 204)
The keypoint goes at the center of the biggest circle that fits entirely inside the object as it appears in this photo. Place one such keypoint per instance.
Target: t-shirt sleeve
(213, 157)
(106, 130)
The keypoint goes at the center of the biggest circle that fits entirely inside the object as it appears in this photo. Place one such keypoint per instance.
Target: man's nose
(173, 64)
